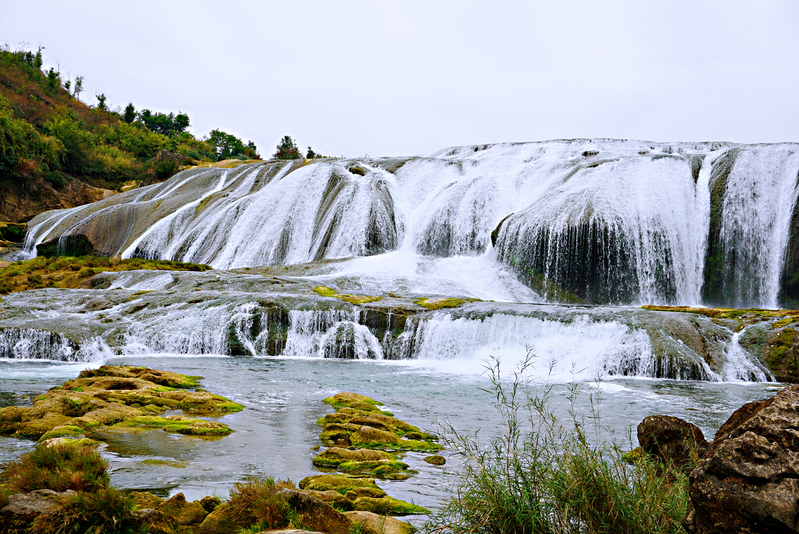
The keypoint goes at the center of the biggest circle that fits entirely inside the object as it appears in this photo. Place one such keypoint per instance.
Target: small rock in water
(435, 459)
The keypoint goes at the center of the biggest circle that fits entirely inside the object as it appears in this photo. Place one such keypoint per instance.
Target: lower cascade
(254, 315)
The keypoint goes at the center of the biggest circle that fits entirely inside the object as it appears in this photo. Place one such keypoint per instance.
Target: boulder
(23, 508)
(671, 440)
(184, 512)
(435, 459)
(315, 514)
(371, 523)
(748, 480)
(153, 521)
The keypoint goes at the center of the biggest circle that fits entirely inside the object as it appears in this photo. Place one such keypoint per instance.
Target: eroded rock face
(748, 481)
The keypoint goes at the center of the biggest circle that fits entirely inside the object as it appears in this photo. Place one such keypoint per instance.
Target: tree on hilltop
(287, 149)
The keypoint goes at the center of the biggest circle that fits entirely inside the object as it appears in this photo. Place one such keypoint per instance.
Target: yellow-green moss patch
(121, 398)
(324, 291)
(439, 303)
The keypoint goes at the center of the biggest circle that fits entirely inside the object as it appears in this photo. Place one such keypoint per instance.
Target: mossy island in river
(119, 399)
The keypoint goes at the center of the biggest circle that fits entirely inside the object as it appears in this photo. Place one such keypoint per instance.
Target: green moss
(178, 425)
(784, 322)
(438, 303)
(352, 400)
(324, 291)
(63, 431)
(202, 204)
(169, 463)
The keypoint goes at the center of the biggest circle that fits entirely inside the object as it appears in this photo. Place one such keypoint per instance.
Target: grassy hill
(48, 137)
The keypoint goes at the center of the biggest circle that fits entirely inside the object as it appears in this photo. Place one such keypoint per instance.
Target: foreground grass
(69, 272)
(542, 476)
(94, 508)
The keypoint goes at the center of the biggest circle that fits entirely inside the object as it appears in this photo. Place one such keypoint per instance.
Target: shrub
(165, 169)
(55, 179)
(105, 511)
(548, 478)
(58, 468)
(260, 503)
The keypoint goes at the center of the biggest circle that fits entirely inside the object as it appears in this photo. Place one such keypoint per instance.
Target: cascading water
(587, 220)
(753, 224)
(581, 221)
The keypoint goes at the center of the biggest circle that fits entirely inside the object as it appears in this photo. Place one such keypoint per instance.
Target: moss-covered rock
(324, 291)
(185, 512)
(177, 424)
(363, 461)
(435, 459)
(372, 523)
(119, 397)
(782, 353)
(361, 492)
(352, 400)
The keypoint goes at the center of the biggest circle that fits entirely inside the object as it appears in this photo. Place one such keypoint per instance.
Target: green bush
(58, 468)
(547, 478)
(165, 169)
(55, 179)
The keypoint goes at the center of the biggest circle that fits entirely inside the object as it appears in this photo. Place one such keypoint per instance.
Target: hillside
(58, 152)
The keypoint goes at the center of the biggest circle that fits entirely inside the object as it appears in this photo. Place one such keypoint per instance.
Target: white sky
(402, 78)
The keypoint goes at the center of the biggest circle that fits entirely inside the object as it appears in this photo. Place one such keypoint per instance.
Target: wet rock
(748, 480)
(184, 512)
(671, 440)
(435, 459)
(154, 521)
(220, 521)
(364, 461)
(23, 508)
(315, 514)
(145, 499)
(361, 492)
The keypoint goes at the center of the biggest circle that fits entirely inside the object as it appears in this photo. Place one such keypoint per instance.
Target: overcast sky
(402, 78)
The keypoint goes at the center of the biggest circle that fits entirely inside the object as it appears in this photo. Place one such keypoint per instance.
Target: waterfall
(576, 221)
(755, 210)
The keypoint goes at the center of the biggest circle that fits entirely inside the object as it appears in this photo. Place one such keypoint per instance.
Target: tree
(101, 102)
(52, 80)
(78, 87)
(169, 125)
(130, 113)
(287, 149)
(226, 146)
(311, 154)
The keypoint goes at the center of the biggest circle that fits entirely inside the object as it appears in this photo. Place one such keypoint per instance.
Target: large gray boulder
(748, 480)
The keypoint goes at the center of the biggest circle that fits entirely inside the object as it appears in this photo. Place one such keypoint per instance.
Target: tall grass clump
(59, 468)
(105, 511)
(544, 476)
(259, 503)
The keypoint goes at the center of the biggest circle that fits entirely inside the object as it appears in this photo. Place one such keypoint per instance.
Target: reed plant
(541, 475)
